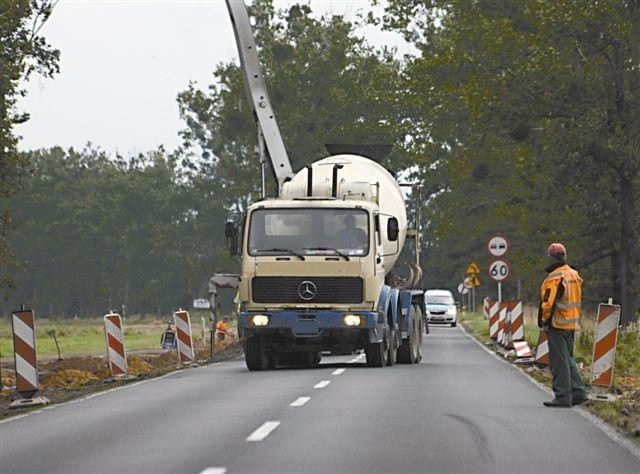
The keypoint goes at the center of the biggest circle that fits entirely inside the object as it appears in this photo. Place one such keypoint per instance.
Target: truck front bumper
(312, 324)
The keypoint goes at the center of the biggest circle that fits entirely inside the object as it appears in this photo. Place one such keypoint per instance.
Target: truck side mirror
(392, 229)
(229, 230)
(231, 233)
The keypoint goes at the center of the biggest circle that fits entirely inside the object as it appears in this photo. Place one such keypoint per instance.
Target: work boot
(578, 400)
(556, 402)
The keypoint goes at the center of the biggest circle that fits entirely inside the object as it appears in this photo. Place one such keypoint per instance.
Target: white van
(441, 307)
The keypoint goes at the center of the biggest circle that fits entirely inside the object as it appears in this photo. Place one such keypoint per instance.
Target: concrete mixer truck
(316, 259)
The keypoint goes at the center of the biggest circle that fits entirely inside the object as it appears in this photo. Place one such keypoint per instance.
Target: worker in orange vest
(222, 329)
(558, 315)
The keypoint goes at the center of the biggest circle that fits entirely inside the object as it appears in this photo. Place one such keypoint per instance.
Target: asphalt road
(459, 411)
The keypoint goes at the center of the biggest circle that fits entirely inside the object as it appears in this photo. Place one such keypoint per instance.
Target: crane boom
(256, 89)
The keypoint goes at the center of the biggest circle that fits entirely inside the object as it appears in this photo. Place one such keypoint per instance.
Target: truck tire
(376, 353)
(311, 359)
(255, 356)
(408, 350)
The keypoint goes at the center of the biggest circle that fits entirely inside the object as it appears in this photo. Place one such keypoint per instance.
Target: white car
(441, 307)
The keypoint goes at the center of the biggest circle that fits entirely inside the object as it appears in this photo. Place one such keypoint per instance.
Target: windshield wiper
(289, 251)
(337, 252)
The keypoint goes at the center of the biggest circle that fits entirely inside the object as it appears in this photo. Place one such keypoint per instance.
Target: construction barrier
(542, 349)
(115, 344)
(502, 318)
(516, 324)
(185, 341)
(522, 349)
(24, 350)
(604, 350)
(493, 319)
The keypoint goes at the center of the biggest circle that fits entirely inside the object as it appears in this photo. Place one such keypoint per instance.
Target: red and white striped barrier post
(183, 333)
(493, 319)
(506, 337)
(502, 318)
(604, 350)
(542, 350)
(485, 307)
(522, 349)
(115, 345)
(26, 363)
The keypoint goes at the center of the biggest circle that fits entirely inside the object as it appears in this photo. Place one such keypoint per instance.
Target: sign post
(499, 269)
(471, 281)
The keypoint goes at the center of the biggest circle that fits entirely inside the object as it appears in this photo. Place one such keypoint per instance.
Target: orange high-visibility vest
(566, 310)
(222, 327)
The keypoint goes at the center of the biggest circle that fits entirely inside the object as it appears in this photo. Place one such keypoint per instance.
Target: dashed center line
(322, 384)
(214, 470)
(338, 372)
(299, 401)
(264, 431)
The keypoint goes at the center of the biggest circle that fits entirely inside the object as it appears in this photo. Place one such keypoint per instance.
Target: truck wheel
(376, 353)
(313, 359)
(408, 350)
(255, 356)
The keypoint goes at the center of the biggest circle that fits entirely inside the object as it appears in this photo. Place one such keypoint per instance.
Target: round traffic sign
(467, 283)
(462, 289)
(499, 269)
(498, 245)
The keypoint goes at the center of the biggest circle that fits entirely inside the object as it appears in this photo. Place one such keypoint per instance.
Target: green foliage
(530, 109)
(100, 233)
(22, 52)
(326, 86)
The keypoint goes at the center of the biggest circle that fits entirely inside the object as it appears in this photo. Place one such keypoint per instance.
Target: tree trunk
(628, 251)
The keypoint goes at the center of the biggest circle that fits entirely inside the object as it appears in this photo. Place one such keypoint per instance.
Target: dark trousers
(567, 383)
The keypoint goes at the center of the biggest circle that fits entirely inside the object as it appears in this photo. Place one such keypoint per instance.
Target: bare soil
(72, 377)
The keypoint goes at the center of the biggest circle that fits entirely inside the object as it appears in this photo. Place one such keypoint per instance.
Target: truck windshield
(316, 231)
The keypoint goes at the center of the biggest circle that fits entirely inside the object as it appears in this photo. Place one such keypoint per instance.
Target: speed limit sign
(499, 270)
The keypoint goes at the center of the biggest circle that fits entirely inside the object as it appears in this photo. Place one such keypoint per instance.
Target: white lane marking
(299, 401)
(264, 431)
(322, 384)
(214, 470)
(338, 372)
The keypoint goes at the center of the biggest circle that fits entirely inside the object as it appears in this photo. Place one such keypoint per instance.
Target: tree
(22, 52)
(530, 109)
(325, 83)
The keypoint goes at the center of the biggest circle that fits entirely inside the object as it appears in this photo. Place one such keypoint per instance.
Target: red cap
(556, 249)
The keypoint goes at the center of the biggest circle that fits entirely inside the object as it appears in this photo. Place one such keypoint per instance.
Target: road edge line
(100, 393)
(610, 431)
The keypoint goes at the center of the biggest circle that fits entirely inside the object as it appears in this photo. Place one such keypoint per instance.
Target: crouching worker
(222, 329)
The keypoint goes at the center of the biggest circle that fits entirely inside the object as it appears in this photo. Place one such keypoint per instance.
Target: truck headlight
(258, 320)
(352, 320)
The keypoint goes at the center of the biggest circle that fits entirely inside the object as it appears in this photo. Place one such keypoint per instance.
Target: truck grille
(307, 290)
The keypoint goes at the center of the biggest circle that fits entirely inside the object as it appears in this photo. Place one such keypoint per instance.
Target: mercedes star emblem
(307, 290)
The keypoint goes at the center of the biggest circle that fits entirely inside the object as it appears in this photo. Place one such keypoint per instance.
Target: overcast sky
(123, 63)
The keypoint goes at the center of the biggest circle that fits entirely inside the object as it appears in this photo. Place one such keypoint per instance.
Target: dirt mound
(69, 378)
(138, 365)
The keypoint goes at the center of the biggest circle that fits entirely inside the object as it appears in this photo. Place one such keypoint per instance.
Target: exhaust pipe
(309, 181)
(334, 183)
